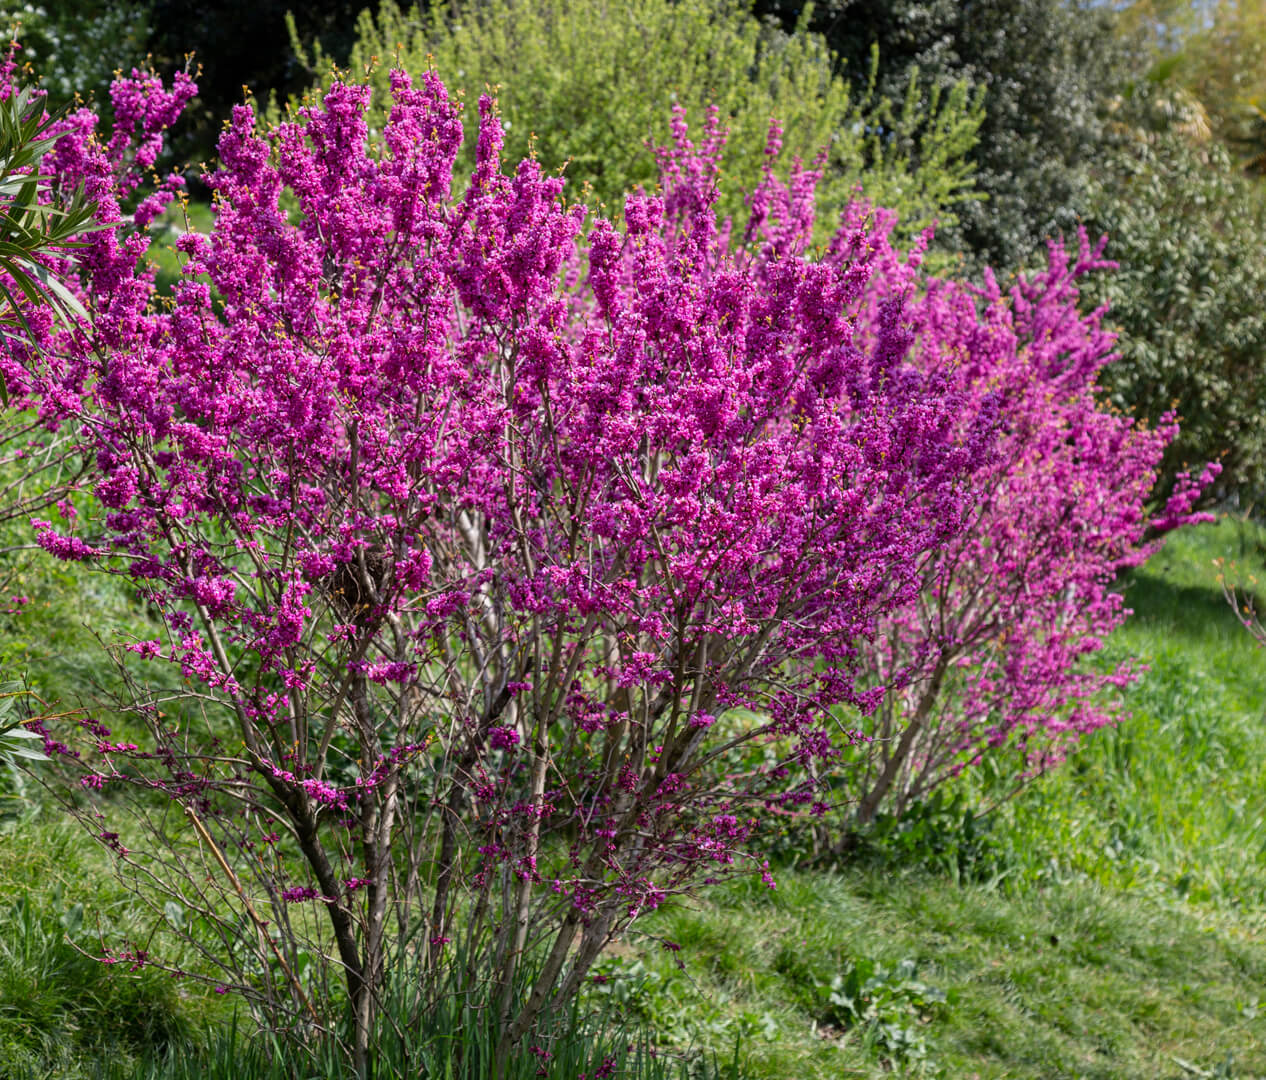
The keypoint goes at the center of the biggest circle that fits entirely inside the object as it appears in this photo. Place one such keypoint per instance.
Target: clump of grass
(453, 1036)
(65, 1015)
(61, 1009)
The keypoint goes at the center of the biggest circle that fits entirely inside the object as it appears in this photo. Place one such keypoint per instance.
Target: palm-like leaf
(33, 234)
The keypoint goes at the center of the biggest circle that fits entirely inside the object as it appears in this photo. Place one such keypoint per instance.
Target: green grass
(1120, 932)
(62, 1012)
(1116, 929)
(1171, 802)
(64, 1015)
(1062, 981)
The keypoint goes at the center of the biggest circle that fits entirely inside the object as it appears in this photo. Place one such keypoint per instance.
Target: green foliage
(1050, 70)
(587, 84)
(18, 747)
(1190, 235)
(887, 1005)
(16, 743)
(945, 834)
(77, 45)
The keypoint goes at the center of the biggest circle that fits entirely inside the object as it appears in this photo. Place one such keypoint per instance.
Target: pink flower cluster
(992, 652)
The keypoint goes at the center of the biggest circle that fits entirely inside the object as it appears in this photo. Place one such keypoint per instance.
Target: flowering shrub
(476, 544)
(991, 654)
(481, 545)
(988, 654)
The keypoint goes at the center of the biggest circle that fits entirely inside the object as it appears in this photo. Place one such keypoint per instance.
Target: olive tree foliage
(590, 85)
(1050, 71)
(1187, 229)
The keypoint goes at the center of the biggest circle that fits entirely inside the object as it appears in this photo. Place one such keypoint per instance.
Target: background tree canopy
(77, 45)
(1048, 71)
(241, 44)
(1187, 232)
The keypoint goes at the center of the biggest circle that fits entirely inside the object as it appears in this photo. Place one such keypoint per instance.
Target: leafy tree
(591, 84)
(1050, 69)
(1189, 232)
(77, 45)
(1215, 52)
(17, 743)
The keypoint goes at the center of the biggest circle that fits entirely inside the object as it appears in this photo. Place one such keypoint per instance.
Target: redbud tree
(484, 537)
(992, 656)
(479, 541)
(989, 657)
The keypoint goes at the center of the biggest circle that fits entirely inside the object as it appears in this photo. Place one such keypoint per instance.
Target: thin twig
(250, 910)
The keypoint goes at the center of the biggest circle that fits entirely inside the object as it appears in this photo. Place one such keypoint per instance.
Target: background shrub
(591, 85)
(1049, 70)
(1189, 235)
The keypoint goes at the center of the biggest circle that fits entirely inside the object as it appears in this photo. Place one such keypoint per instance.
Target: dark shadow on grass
(1192, 610)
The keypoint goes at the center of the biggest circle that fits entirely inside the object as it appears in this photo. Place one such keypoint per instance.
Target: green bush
(1050, 71)
(1189, 232)
(597, 78)
(77, 45)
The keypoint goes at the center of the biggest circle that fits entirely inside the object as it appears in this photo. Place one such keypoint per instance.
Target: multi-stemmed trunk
(899, 755)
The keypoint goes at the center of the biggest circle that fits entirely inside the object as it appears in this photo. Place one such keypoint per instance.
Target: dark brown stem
(871, 801)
